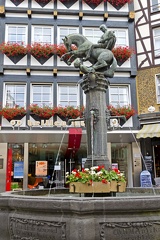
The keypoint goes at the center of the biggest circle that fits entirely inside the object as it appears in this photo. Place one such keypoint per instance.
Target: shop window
(17, 166)
(68, 95)
(42, 34)
(155, 5)
(119, 95)
(15, 95)
(65, 31)
(120, 154)
(16, 34)
(156, 35)
(42, 95)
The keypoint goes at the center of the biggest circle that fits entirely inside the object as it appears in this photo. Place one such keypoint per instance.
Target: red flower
(127, 111)
(104, 181)
(41, 50)
(13, 49)
(123, 53)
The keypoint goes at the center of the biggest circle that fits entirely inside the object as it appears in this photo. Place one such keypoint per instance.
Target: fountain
(56, 214)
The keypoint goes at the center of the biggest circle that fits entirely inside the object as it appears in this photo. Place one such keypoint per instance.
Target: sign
(41, 168)
(114, 166)
(145, 179)
(18, 169)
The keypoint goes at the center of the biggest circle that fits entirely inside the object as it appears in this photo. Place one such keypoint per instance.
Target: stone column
(94, 86)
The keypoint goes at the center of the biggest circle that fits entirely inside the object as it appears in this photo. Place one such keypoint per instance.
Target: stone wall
(146, 89)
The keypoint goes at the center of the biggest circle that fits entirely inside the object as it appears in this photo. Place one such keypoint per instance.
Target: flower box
(121, 186)
(96, 187)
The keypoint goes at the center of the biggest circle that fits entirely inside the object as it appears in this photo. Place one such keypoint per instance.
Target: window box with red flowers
(97, 180)
(127, 111)
(42, 52)
(14, 113)
(118, 3)
(38, 113)
(68, 112)
(122, 54)
(14, 51)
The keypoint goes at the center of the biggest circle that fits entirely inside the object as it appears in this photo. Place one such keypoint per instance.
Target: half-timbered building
(147, 32)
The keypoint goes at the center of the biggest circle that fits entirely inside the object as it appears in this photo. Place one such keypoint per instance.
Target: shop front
(31, 156)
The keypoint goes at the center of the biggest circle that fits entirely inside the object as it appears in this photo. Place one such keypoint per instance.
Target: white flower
(86, 169)
(94, 168)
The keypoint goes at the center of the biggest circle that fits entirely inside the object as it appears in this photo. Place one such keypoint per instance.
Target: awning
(150, 130)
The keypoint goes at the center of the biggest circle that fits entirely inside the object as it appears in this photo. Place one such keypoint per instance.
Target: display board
(145, 179)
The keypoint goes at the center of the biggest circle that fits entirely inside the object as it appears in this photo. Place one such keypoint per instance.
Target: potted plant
(127, 111)
(38, 112)
(42, 52)
(122, 54)
(69, 112)
(14, 51)
(11, 113)
(95, 179)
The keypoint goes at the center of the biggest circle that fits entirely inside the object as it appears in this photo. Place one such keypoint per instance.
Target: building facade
(27, 79)
(147, 31)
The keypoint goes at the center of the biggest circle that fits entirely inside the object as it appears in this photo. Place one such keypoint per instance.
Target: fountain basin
(34, 215)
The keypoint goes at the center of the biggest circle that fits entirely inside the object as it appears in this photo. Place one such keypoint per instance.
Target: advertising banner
(18, 169)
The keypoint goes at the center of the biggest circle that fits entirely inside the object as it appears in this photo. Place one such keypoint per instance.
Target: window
(155, 5)
(119, 96)
(121, 37)
(156, 34)
(158, 88)
(15, 94)
(42, 95)
(16, 34)
(42, 34)
(65, 31)
(68, 95)
(94, 35)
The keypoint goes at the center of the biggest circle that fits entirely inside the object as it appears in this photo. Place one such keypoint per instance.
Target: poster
(41, 168)
(18, 169)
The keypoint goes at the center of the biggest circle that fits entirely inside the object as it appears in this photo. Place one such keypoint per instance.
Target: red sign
(9, 170)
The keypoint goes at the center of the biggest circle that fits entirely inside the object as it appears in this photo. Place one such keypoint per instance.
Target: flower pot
(16, 59)
(18, 117)
(121, 186)
(93, 4)
(38, 118)
(42, 3)
(17, 2)
(68, 4)
(95, 187)
(42, 59)
(120, 62)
